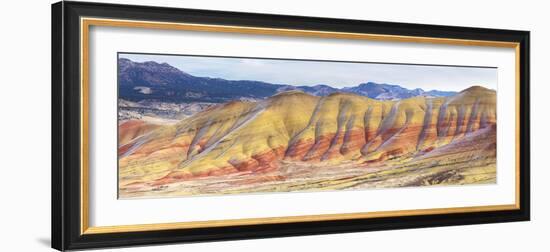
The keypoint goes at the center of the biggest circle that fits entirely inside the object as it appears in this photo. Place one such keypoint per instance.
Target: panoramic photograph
(211, 125)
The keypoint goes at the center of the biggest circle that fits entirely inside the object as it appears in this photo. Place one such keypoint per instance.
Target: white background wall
(25, 125)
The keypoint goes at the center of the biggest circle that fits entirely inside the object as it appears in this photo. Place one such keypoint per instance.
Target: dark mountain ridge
(162, 82)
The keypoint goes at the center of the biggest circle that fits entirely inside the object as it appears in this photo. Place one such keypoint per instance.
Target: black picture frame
(66, 114)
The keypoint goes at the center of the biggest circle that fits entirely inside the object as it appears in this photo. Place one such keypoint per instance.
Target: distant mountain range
(162, 82)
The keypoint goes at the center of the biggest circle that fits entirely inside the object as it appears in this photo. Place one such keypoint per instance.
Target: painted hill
(163, 82)
(295, 127)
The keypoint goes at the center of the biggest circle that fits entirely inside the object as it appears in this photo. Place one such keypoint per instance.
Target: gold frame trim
(85, 24)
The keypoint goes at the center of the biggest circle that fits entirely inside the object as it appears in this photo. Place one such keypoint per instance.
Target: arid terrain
(295, 141)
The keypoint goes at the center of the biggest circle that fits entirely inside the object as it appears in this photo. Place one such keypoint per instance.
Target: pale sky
(335, 74)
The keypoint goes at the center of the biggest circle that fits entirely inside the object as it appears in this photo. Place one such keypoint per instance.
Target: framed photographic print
(179, 125)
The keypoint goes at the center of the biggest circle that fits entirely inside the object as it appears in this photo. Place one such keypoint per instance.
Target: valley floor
(443, 169)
